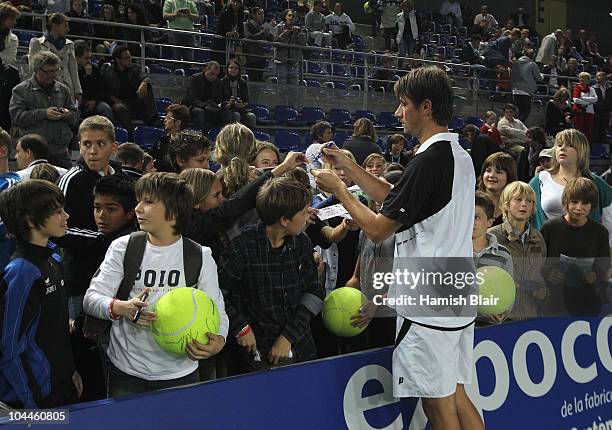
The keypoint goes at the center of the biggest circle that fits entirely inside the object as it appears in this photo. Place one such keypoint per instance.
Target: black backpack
(99, 330)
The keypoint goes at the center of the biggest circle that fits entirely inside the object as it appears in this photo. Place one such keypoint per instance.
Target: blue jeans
(121, 384)
(407, 46)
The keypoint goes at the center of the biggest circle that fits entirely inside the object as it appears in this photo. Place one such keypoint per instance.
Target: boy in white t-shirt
(137, 363)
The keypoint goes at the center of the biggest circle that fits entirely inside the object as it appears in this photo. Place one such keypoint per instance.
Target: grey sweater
(526, 75)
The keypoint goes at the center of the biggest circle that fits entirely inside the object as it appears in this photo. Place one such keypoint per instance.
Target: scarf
(58, 43)
(3, 35)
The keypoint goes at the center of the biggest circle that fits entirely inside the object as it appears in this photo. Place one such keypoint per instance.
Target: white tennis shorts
(430, 363)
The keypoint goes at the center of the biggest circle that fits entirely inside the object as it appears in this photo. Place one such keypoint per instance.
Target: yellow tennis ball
(338, 308)
(497, 290)
(184, 314)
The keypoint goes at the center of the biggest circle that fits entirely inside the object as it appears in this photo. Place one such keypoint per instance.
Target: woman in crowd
(363, 141)
(107, 34)
(236, 94)
(267, 156)
(584, 97)
(570, 161)
(8, 40)
(558, 112)
(497, 172)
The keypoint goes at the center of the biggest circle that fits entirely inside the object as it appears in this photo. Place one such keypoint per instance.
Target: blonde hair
(364, 127)
(371, 158)
(201, 180)
(584, 75)
(262, 146)
(235, 148)
(516, 190)
(579, 142)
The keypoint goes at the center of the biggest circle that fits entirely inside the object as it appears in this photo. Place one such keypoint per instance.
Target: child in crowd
(270, 257)
(527, 247)
(131, 157)
(395, 152)
(267, 156)
(576, 236)
(137, 363)
(192, 149)
(497, 172)
(374, 164)
(97, 145)
(487, 250)
(37, 369)
(45, 172)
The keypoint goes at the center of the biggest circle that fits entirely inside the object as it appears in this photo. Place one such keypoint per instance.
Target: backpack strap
(131, 262)
(192, 262)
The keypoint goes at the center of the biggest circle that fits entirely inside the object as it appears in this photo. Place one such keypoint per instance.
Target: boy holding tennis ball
(270, 281)
(137, 362)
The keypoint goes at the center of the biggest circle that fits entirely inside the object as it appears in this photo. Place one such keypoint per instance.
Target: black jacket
(482, 147)
(209, 228)
(202, 93)
(404, 158)
(37, 364)
(92, 85)
(112, 86)
(243, 89)
(78, 184)
(361, 147)
(604, 104)
(9, 78)
(159, 152)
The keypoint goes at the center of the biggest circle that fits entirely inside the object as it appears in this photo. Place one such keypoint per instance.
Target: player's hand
(291, 161)
(327, 180)
(142, 90)
(280, 350)
(248, 341)
(198, 351)
(78, 383)
(365, 315)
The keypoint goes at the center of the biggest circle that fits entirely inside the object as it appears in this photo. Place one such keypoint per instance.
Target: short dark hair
(31, 201)
(173, 191)
(119, 187)
(316, 131)
(56, 19)
(119, 50)
(189, 144)
(511, 107)
(281, 198)
(484, 201)
(476, 37)
(501, 161)
(130, 154)
(36, 144)
(81, 47)
(428, 83)
(179, 112)
(472, 129)
(393, 176)
(300, 175)
(582, 190)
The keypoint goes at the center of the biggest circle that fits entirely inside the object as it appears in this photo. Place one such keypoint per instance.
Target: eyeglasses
(50, 71)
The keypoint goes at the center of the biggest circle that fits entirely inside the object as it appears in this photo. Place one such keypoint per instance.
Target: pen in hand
(137, 315)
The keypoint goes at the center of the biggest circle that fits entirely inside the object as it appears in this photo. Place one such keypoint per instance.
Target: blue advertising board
(549, 373)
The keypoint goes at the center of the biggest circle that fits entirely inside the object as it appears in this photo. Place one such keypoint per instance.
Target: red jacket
(576, 94)
(493, 133)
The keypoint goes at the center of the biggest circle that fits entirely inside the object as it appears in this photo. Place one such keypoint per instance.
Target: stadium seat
(212, 134)
(465, 144)
(388, 120)
(145, 137)
(340, 137)
(162, 104)
(340, 117)
(121, 134)
(214, 167)
(310, 115)
(285, 114)
(160, 70)
(287, 141)
(25, 36)
(474, 120)
(314, 68)
(456, 124)
(262, 113)
(366, 114)
(312, 83)
(599, 150)
(260, 135)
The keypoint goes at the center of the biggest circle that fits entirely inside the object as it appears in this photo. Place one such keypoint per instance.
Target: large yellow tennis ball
(338, 308)
(497, 290)
(184, 314)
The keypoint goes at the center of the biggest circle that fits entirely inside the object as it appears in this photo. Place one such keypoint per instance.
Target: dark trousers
(600, 129)
(136, 108)
(343, 39)
(121, 384)
(205, 119)
(523, 103)
(182, 39)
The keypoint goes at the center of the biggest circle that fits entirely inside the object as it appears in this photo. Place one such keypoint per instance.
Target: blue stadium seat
(25, 36)
(121, 134)
(599, 150)
(411, 142)
(388, 120)
(366, 114)
(310, 115)
(285, 114)
(162, 104)
(340, 137)
(212, 134)
(145, 137)
(160, 70)
(340, 117)
(287, 141)
(214, 167)
(456, 124)
(359, 43)
(313, 83)
(474, 120)
(262, 113)
(260, 135)
(314, 68)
